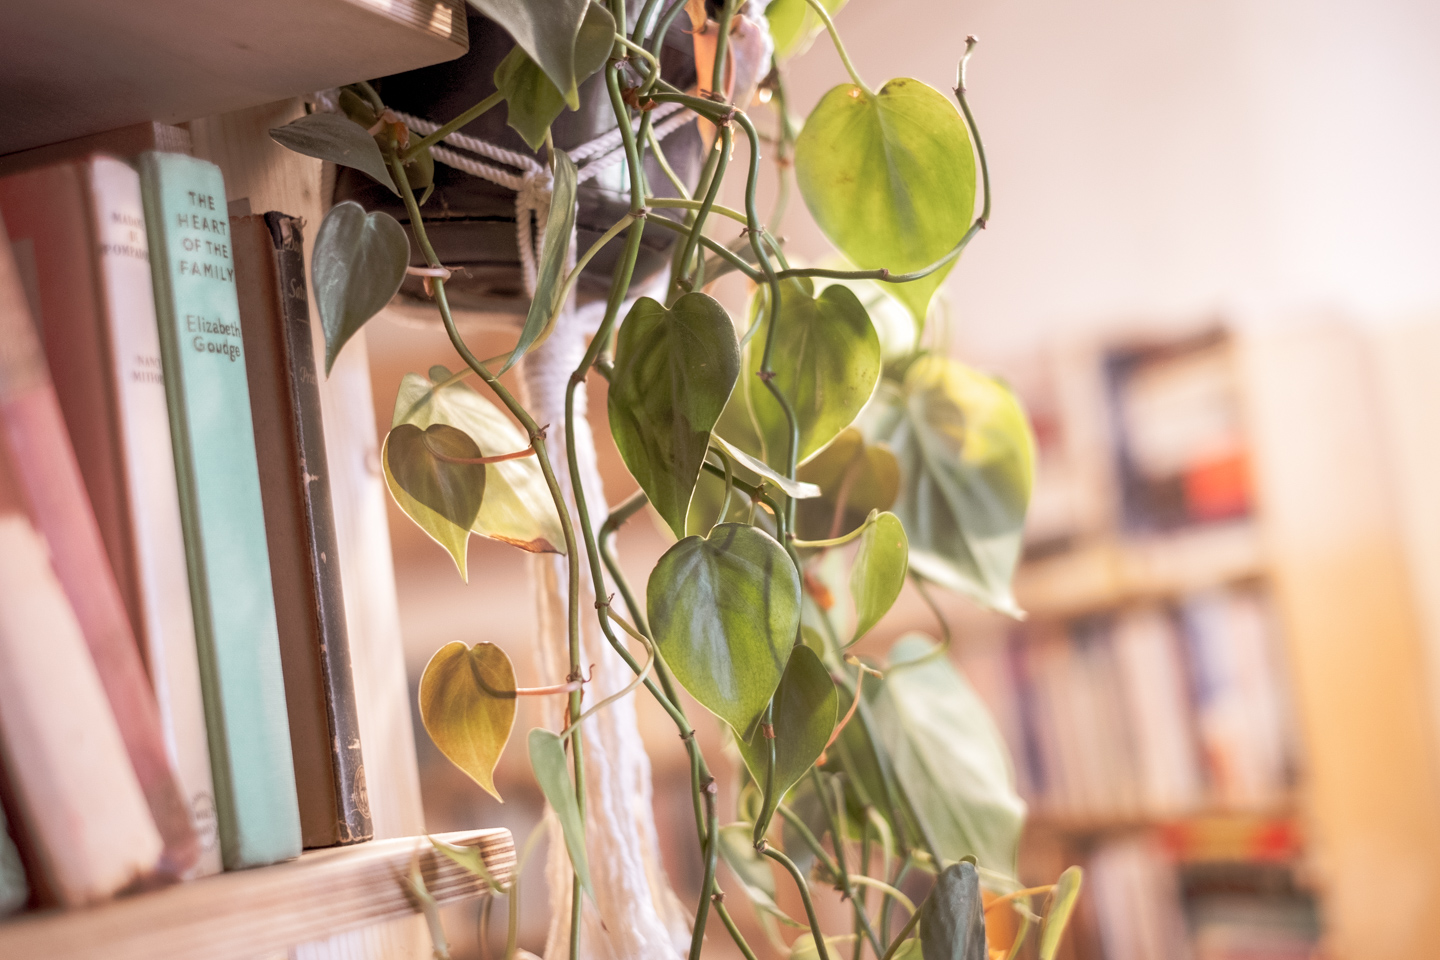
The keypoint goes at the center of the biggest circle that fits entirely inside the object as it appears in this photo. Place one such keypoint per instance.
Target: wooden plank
(77, 67)
(250, 913)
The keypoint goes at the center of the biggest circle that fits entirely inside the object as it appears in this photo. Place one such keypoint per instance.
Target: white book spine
(79, 798)
(1152, 675)
(169, 626)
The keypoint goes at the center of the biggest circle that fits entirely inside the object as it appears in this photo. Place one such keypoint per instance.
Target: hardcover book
(300, 527)
(80, 813)
(85, 226)
(203, 358)
(14, 890)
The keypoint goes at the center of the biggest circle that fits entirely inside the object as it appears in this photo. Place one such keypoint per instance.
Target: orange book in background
(33, 434)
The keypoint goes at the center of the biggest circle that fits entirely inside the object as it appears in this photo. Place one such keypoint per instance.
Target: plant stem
(430, 139)
(664, 162)
(719, 249)
(821, 948)
(910, 924)
(711, 850)
(840, 540)
(839, 45)
(837, 838)
(960, 91)
(722, 48)
(719, 901)
(681, 280)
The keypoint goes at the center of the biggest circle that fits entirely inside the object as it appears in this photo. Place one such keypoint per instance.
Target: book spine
(14, 889)
(157, 537)
(49, 479)
(304, 558)
(220, 501)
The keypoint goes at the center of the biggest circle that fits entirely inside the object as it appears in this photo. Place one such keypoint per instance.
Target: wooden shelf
(255, 913)
(77, 67)
(1102, 574)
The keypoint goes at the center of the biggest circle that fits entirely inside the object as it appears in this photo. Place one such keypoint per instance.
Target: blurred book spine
(14, 890)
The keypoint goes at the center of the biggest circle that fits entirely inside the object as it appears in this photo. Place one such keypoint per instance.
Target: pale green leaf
(358, 264)
(1060, 905)
(548, 762)
(879, 571)
(467, 703)
(797, 489)
(725, 611)
(550, 274)
(803, 947)
(806, 706)
(338, 139)
(890, 179)
(952, 919)
(794, 25)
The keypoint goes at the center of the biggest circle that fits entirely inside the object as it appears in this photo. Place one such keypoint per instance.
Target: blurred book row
(175, 688)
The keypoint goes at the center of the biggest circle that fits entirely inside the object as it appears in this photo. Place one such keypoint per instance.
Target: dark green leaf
(550, 33)
(547, 760)
(420, 464)
(532, 100)
(952, 920)
(467, 703)
(674, 370)
(967, 458)
(826, 361)
(804, 718)
(879, 571)
(725, 611)
(867, 475)
(358, 264)
(750, 868)
(948, 756)
(1061, 904)
(517, 508)
(550, 275)
(329, 136)
(793, 25)
(890, 179)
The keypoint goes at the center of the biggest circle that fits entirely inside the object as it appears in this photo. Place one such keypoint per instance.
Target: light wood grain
(257, 913)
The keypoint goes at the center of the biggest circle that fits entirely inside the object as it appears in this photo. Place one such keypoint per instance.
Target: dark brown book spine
(300, 530)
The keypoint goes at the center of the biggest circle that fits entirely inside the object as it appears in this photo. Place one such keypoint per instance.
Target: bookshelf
(227, 73)
(1335, 419)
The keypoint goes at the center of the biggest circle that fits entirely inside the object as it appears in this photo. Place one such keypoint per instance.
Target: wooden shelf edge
(250, 913)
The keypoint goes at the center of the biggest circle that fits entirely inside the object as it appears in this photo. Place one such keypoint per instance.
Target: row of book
(175, 687)
(1150, 712)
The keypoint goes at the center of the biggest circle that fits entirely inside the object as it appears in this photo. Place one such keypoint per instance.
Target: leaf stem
(664, 162)
(718, 899)
(682, 279)
(821, 949)
(473, 461)
(621, 693)
(837, 541)
(722, 49)
(839, 45)
(894, 894)
(910, 924)
(838, 842)
(430, 139)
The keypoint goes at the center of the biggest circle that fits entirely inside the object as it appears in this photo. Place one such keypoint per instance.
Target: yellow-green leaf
(867, 475)
(467, 703)
(890, 179)
(1059, 906)
(547, 760)
(442, 497)
(794, 25)
(879, 571)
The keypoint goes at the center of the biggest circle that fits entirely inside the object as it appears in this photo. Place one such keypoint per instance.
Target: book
(82, 815)
(14, 890)
(203, 361)
(1134, 887)
(123, 142)
(49, 478)
(85, 226)
(300, 529)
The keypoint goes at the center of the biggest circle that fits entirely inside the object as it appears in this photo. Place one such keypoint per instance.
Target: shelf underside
(72, 68)
(256, 913)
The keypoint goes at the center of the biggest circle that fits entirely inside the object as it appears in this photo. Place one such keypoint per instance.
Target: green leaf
(550, 275)
(805, 803)
(467, 703)
(547, 760)
(952, 920)
(550, 33)
(532, 100)
(803, 947)
(725, 611)
(806, 708)
(1060, 905)
(909, 950)
(358, 264)
(674, 370)
(890, 179)
(517, 508)
(947, 754)
(442, 497)
(794, 26)
(750, 868)
(826, 360)
(867, 475)
(879, 571)
(796, 489)
(968, 460)
(329, 136)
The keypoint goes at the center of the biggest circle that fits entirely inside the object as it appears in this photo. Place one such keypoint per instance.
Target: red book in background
(33, 432)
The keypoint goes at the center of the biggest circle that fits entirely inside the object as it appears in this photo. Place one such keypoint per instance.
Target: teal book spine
(14, 891)
(203, 359)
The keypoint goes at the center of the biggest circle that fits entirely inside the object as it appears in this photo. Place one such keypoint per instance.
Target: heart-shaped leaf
(441, 495)
(952, 920)
(531, 98)
(827, 362)
(725, 610)
(867, 476)
(967, 457)
(1060, 905)
(329, 136)
(750, 868)
(549, 33)
(674, 370)
(890, 179)
(794, 25)
(517, 508)
(467, 703)
(550, 275)
(879, 571)
(945, 751)
(805, 712)
(358, 264)
(547, 760)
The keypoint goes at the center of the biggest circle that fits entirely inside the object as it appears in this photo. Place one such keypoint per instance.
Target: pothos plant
(793, 457)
